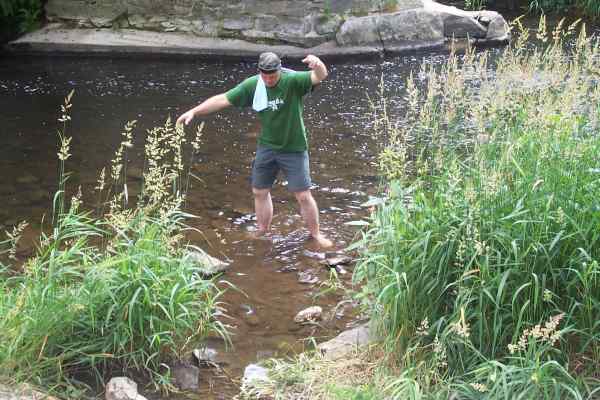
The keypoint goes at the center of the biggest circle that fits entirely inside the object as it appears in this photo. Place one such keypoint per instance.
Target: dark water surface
(110, 92)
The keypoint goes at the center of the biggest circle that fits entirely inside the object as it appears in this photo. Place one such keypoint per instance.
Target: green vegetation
(108, 293)
(19, 16)
(588, 8)
(482, 266)
(475, 4)
(480, 269)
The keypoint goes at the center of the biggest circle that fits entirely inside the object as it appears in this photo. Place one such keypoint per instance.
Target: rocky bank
(240, 28)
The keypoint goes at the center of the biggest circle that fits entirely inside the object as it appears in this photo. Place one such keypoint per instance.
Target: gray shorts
(294, 166)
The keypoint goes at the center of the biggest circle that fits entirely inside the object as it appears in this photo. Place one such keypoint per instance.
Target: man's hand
(319, 70)
(186, 118)
(312, 61)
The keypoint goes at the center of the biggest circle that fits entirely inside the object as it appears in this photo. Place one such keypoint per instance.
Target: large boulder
(402, 28)
(431, 24)
(483, 25)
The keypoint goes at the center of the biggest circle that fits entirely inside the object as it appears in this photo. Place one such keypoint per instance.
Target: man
(276, 95)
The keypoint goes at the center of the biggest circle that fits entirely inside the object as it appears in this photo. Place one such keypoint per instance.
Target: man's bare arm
(208, 106)
(319, 70)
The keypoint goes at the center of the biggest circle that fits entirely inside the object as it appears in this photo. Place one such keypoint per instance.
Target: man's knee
(303, 196)
(260, 193)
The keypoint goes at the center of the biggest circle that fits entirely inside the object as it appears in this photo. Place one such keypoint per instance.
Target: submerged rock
(122, 388)
(309, 314)
(307, 277)
(254, 374)
(208, 265)
(27, 179)
(186, 376)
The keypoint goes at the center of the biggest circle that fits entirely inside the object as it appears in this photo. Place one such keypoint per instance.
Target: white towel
(260, 100)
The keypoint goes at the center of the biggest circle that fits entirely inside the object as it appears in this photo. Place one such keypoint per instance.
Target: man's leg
(310, 214)
(263, 206)
(264, 171)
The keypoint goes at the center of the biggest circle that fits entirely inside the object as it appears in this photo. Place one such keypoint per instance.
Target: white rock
(122, 388)
(346, 342)
(255, 373)
(205, 354)
(309, 314)
(208, 264)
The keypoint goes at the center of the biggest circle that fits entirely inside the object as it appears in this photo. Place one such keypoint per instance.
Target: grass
(480, 269)
(109, 292)
(482, 266)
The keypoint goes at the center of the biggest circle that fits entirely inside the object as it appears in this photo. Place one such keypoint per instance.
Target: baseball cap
(269, 62)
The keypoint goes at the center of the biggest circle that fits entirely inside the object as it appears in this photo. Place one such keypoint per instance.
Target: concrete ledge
(56, 39)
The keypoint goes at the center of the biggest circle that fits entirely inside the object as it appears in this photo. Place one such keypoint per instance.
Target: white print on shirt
(274, 104)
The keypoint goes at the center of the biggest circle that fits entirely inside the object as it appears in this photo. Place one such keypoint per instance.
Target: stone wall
(302, 23)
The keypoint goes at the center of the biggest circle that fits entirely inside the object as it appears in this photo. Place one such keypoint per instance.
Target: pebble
(309, 314)
(307, 277)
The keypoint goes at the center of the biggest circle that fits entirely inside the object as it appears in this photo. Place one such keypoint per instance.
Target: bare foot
(260, 235)
(322, 241)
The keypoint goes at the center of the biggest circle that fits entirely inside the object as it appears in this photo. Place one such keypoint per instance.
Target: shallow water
(110, 92)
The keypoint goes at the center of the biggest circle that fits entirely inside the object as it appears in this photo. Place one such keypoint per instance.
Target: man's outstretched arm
(319, 70)
(208, 106)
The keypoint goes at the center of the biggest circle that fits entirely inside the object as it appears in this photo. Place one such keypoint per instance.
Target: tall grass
(110, 293)
(482, 266)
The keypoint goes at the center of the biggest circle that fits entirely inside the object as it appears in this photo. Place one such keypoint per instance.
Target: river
(111, 91)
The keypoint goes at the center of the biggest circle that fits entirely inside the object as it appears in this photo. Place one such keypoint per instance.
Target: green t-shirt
(281, 122)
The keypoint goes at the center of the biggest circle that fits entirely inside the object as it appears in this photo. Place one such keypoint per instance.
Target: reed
(110, 293)
(481, 268)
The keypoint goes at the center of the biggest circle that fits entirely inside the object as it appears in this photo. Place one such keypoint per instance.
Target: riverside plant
(112, 293)
(481, 268)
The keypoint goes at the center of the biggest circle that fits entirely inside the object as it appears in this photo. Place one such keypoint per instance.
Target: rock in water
(255, 373)
(209, 265)
(337, 259)
(205, 355)
(122, 388)
(310, 314)
(346, 342)
(186, 376)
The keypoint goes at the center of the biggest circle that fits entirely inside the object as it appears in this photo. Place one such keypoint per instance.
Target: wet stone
(208, 265)
(288, 268)
(307, 277)
(122, 388)
(27, 179)
(255, 373)
(205, 355)
(186, 376)
(314, 254)
(309, 314)
(252, 319)
(337, 259)
(265, 354)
